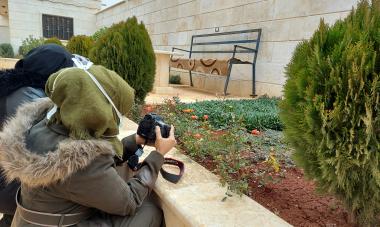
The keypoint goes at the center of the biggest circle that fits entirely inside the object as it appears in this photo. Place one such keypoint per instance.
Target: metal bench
(228, 43)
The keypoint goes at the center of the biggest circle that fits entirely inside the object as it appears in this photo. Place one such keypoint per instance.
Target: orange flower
(188, 110)
(255, 132)
(205, 117)
(197, 136)
(194, 117)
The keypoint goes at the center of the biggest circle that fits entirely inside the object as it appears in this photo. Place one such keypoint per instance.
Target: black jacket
(26, 83)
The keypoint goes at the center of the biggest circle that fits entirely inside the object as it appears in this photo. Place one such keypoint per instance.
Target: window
(55, 26)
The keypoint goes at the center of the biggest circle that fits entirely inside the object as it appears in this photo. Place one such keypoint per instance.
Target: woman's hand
(141, 141)
(164, 145)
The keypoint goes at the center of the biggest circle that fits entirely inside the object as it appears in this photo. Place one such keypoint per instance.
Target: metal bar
(229, 73)
(254, 64)
(175, 48)
(191, 46)
(191, 78)
(228, 33)
(171, 56)
(225, 42)
(243, 63)
(191, 49)
(245, 48)
(253, 80)
(222, 51)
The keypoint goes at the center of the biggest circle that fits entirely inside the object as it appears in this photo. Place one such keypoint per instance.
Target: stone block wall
(25, 17)
(171, 23)
(4, 29)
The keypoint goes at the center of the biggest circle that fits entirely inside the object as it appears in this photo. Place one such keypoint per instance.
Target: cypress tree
(331, 110)
(127, 49)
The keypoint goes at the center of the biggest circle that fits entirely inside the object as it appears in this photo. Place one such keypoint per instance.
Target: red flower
(255, 132)
(205, 117)
(194, 117)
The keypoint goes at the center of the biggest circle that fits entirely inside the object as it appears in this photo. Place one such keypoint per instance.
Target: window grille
(56, 26)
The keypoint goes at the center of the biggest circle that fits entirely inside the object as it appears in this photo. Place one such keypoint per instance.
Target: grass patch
(261, 113)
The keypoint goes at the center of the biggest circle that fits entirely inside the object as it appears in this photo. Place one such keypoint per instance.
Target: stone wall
(284, 23)
(25, 17)
(4, 29)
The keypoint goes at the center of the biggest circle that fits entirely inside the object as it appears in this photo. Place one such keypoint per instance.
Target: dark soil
(294, 199)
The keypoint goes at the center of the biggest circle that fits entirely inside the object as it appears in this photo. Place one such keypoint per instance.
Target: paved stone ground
(187, 94)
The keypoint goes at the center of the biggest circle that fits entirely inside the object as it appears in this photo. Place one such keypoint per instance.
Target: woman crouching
(64, 151)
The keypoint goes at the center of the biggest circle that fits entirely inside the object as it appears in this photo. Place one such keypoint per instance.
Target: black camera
(147, 127)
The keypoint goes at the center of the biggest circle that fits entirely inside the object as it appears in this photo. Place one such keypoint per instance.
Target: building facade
(171, 23)
(46, 18)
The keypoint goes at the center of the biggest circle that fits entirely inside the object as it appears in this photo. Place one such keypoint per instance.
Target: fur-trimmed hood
(17, 162)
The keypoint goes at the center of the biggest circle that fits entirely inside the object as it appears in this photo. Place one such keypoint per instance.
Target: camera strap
(85, 64)
(173, 178)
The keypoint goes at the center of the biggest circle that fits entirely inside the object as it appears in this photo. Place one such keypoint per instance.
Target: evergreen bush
(126, 48)
(80, 44)
(6, 50)
(28, 44)
(53, 40)
(331, 110)
(99, 33)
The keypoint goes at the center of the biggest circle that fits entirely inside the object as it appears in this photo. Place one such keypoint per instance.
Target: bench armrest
(245, 48)
(175, 48)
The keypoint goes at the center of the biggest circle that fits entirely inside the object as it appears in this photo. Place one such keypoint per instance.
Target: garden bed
(254, 160)
(290, 196)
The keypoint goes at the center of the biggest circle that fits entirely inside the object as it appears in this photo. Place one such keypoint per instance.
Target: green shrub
(96, 36)
(28, 44)
(6, 50)
(175, 79)
(331, 110)
(80, 44)
(126, 48)
(259, 113)
(53, 40)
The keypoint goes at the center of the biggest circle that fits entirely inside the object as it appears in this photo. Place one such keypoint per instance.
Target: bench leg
(191, 79)
(253, 80)
(228, 79)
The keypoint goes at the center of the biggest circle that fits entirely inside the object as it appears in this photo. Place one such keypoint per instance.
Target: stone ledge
(7, 63)
(196, 200)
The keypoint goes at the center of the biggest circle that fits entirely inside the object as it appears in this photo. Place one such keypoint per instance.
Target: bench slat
(222, 51)
(225, 42)
(228, 33)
